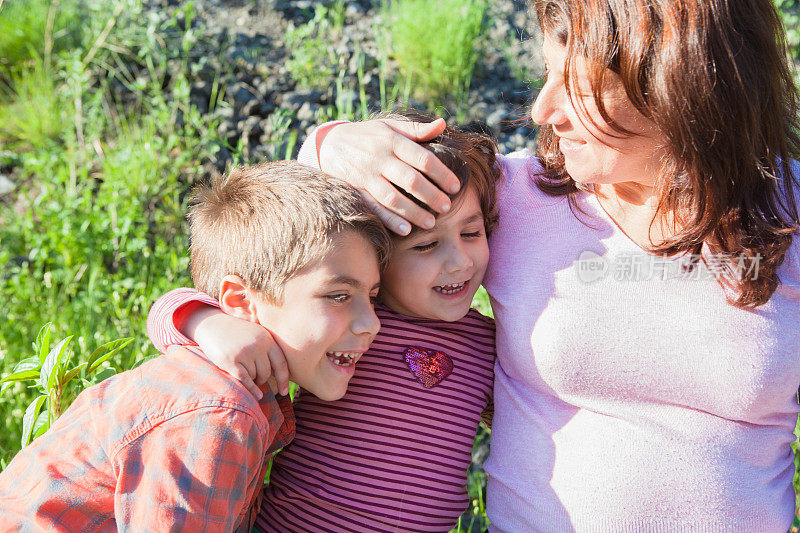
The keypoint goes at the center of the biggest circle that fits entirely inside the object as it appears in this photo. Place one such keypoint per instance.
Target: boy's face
(435, 273)
(326, 320)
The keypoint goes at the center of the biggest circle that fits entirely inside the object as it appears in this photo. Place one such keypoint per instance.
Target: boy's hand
(243, 349)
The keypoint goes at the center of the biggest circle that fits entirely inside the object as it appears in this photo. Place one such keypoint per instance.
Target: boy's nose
(365, 321)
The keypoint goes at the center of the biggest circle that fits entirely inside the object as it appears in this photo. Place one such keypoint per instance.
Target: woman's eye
(374, 299)
(423, 247)
(339, 298)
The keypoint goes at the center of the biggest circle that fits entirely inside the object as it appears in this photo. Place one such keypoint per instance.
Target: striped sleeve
(161, 320)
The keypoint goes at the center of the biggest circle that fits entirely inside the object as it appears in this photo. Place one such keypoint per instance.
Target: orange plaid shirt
(173, 445)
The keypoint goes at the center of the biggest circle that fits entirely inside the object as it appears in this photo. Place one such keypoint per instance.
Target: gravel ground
(242, 47)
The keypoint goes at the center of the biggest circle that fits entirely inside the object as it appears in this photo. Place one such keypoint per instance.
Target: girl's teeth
(450, 289)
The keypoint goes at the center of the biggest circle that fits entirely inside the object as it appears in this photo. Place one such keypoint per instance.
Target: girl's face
(592, 154)
(435, 273)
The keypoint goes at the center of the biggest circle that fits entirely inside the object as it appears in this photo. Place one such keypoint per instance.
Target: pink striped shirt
(390, 455)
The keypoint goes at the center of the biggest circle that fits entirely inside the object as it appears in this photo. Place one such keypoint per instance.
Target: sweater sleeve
(168, 310)
(309, 152)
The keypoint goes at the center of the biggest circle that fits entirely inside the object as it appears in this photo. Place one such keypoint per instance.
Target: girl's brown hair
(713, 76)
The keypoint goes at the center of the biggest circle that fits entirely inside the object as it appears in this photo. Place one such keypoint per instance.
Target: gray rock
(293, 100)
(496, 119)
(6, 185)
(307, 112)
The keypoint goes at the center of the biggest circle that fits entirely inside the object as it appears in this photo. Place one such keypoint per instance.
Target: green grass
(95, 232)
(32, 29)
(311, 62)
(435, 44)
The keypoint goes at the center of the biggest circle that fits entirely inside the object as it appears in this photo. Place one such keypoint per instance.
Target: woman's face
(592, 154)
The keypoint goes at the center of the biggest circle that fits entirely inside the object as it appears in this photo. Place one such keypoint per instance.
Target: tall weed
(435, 44)
(33, 29)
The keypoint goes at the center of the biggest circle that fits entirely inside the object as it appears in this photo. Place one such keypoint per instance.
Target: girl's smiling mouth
(452, 289)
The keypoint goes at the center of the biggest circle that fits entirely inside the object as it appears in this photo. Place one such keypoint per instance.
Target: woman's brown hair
(713, 76)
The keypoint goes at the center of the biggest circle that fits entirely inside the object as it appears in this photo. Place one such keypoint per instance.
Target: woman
(645, 273)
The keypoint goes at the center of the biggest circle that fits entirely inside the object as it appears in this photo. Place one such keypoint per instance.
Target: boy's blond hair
(267, 222)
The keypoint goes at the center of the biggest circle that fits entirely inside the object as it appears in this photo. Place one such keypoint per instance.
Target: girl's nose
(457, 260)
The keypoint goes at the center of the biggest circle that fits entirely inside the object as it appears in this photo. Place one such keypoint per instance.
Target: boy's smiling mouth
(343, 358)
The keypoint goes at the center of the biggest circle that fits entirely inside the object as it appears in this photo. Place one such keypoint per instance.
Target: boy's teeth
(342, 358)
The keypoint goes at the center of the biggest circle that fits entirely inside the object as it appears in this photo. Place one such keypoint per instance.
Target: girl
(392, 455)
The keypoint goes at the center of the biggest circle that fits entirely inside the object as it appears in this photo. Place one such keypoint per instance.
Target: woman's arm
(380, 156)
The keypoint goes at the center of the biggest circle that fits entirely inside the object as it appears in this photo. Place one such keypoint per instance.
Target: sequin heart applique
(428, 366)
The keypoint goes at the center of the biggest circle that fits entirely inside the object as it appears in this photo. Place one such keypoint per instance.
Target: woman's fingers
(417, 131)
(416, 183)
(392, 199)
(423, 160)
(380, 157)
(392, 221)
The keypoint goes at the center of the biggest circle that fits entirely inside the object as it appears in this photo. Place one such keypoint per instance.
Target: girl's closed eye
(472, 234)
(425, 247)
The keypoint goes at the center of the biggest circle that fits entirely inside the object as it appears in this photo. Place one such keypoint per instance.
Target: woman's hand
(245, 350)
(379, 156)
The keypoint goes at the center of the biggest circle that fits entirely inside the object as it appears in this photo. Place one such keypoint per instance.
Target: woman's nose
(548, 108)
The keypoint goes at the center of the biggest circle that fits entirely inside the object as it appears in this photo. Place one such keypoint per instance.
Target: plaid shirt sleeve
(197, 471)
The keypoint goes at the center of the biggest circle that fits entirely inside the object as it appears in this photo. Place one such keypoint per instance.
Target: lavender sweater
(630, 396)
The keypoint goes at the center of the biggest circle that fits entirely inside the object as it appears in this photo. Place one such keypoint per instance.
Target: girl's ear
(236, 299)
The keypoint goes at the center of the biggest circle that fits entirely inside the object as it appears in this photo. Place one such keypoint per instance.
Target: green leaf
(29, 419)
(31, 363)
(52, 363)
(104, 374)
(104, 352)
(43, 341)
(41, 425)
(72, 373)
(18, 376)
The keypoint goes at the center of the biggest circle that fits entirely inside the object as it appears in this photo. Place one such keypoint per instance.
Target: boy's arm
(198, 471)
(169, 314)
(245, 350)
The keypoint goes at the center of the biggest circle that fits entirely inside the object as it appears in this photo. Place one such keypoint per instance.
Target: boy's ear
(236, 299)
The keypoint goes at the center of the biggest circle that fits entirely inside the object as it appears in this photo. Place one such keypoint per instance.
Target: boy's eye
(423, 247)
(339, 298)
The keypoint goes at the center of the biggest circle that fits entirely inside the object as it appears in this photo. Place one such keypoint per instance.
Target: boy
(177, 444)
